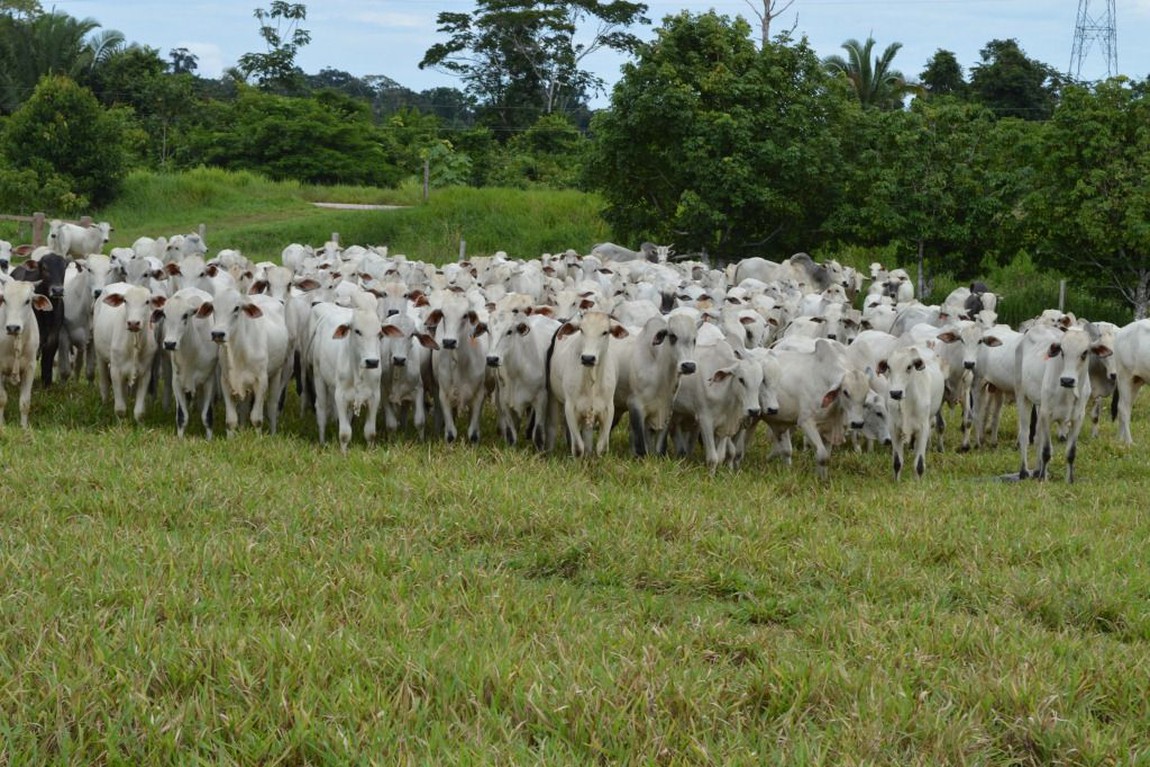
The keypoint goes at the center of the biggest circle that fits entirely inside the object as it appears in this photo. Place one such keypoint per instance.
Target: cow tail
(1114, 406)
(547, 362)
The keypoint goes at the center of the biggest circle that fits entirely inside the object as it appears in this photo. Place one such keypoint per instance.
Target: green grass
(264, 600)
(259, 217)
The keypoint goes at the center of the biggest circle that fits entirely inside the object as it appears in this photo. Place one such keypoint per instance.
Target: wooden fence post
(37, 229)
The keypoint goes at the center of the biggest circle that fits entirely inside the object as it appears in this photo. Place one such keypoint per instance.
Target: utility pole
(1095, 24)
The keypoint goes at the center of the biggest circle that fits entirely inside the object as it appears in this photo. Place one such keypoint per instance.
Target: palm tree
(49, 44)
(876, 85)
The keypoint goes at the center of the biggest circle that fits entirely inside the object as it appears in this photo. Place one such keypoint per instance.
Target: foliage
(876, 84)
(520, 60)
(943, 75)
(700, 145)
(1013, 85)
(1090, 199)
(550, 154)
(54, 43)
(62, 134)
(321, 139)
(275, 69)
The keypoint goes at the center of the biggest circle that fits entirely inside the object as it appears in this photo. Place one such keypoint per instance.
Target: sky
(390, 37)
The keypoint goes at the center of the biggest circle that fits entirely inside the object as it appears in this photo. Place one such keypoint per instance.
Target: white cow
(518, 354)
(994, 380)
(124, 343)
(582, 373)
(84, 282)
(819, 392)
(718, 401)
(5, 256)
(1132, 349)
(1054, 376)
(915, 385)
(404, 351)
(460, 364)
(651, 362)
(19, 342)
(345, 356)
(253, 344)
(1103, 370)
(194, 358)
(78, 241)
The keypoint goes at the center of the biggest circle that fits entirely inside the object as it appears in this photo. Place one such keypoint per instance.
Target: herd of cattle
(570, 343)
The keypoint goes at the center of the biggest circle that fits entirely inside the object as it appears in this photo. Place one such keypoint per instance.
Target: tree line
(721, 142)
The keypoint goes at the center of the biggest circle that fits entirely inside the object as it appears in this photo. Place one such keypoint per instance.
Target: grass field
(263, 600)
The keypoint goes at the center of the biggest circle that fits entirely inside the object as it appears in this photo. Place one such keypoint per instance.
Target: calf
(252, 338)
(124, 342)
(345, 356)
(187, 340)
(18, 344)
(1053, 375)
(581, 375)
(915, 386)
(47, 274)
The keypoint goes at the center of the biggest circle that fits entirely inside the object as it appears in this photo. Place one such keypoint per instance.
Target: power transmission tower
(1090, 28)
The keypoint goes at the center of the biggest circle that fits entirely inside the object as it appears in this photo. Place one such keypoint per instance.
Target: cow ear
(172, 268)
(253, 311)
(660, 337)
(480, 329)
(158, 301)
(1101, 350)
(948, 337)
(991, 341)
(426, 341)
(341, 332)
(204, 310)
(434, 318)
(259, 286)
(830, 397)
(157, 315)
(113, 299)
(307, 284)
(391, 331)
(522, 328)
(1054, 350)
(566, 329)
(546, 311)
(722, 375)
(618, 331)
(883, 367)
(41, 303)
(586, 304)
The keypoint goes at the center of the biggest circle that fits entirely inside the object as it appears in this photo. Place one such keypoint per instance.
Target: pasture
(265, 600)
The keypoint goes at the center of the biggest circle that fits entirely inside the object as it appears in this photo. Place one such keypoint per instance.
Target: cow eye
(673, 338)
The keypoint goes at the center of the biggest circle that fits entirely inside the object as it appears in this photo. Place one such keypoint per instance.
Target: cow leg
(1071, 453)
(3, 400)
(638, 430)
(822, 454)
(181, 398)
(449, 432)
(370, 421)
(118, 404)
(574, 434)
(1127, 388)
(605, 428)
(25, 396)
(231, 415)
(321, 406)
(1023, 406)
(207, 394)
(142, 394)
(476, 416)
(343, 418)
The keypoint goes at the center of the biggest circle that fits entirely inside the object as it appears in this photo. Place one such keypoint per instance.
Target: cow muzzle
(1067, 382)
(170, 346)
(687, 368)
(219, 336)
(134, 326)
(968, 364)
(588, 360)
(14, 330)
(492, 361)
(449, 343)
(371, 364)
(896, 394)
(399, 362)
(856, 425)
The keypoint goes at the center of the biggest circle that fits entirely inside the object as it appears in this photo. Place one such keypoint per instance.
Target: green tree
(917, 180)
(325, 139)
(874, 82)
(548, 154)
(1012, 84)
(943, 75)
(521, 59)
(49, 44)
(718, 146)
(1091, 204)
(275, 69)
(63, 135)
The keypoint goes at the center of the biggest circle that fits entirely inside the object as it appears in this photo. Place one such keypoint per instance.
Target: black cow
(48, 274)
